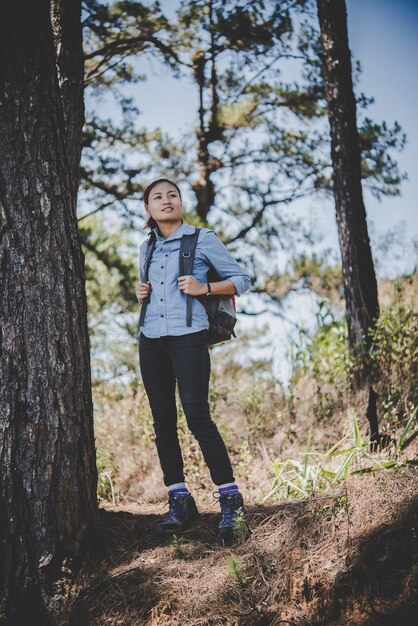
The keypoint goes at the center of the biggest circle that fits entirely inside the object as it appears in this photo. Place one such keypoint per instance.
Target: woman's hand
(191, 286)
(142, 291)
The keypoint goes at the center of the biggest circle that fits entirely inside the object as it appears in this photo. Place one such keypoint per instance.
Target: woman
(170, 350)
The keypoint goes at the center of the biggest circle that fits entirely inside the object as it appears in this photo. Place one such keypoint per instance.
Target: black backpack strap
(147, 263)
(187, 252)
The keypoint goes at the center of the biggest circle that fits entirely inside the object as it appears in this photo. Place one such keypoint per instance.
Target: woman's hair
(151, 223)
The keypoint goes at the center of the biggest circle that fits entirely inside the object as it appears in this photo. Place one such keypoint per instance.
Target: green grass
(302, 479)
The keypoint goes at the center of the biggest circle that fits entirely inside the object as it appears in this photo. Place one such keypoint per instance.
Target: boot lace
(231, 507)
(176, 507)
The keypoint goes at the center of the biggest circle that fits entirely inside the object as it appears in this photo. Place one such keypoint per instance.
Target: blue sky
(383, 36)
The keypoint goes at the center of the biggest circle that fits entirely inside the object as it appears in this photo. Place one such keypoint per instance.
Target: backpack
(221, 309)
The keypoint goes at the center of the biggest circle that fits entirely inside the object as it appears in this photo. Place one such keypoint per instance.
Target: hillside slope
(347, 557)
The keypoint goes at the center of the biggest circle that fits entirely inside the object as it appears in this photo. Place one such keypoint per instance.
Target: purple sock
(178, 488)
(228, 488)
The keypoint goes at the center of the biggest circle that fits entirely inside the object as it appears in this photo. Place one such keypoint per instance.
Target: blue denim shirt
(166, 311)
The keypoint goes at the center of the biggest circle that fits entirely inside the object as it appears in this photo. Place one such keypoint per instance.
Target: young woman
(171, 351)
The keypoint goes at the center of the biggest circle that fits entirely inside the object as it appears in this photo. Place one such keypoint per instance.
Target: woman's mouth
(168, 209)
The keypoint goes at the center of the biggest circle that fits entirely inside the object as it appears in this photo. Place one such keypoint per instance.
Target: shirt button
(161, 299)
(162, 315)
(162, 282)
(162, 267)
(166, 255)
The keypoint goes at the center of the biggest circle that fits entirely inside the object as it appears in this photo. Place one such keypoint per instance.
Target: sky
(382, 35)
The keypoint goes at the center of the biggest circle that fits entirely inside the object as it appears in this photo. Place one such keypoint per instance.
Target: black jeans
(186, 359)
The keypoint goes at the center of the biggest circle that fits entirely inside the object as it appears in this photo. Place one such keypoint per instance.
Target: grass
(326, 536)
(303, 479)
(235, 568)
(338, 558)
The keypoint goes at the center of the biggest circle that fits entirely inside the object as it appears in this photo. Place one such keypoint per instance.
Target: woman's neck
(167, 229)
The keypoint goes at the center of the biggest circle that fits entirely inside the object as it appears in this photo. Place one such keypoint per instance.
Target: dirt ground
(342, 558)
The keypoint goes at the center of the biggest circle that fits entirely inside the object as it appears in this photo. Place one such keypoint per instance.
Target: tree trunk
(360, 286)
(203, 187)
(48, 476)
(67, 33)
(358, 270)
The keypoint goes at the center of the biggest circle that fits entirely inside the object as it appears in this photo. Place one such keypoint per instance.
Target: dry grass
(319, 561)
(347, 555)
(256, 422)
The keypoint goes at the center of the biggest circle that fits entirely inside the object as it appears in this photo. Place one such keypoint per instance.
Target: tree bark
(360, 286)
(203, 187)
(67, 33)
(48, 476)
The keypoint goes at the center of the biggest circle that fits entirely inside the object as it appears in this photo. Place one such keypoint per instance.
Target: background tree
(360, 286)
(258, 143)
(48, 506)
(249, 121)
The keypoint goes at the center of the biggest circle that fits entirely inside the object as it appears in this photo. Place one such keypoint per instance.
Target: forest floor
(345, 557)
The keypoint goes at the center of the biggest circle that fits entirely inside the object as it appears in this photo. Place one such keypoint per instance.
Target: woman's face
(164, 203)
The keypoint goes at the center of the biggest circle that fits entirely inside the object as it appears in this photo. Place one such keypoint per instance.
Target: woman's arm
(227, 267)
(220, 288)
(192, 287)
(234, 280)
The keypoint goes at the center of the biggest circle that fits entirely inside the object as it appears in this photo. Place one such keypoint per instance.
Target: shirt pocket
(173, 262)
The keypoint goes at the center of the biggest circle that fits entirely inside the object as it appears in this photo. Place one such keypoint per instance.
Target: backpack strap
(148, 257)
(187, 252)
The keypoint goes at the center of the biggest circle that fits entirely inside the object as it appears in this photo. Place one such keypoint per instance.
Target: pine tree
(360, 285)
(257, 143)
(48, 476)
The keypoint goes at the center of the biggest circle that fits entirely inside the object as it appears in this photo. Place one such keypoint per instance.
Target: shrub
(325, 358)
(394, 359)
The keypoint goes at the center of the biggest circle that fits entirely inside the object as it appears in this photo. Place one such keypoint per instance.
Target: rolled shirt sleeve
(224, 263)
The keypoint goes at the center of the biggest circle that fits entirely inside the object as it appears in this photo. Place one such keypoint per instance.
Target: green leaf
(406, 430)
(389, 464)
(306, 456)
(333, 448)
(328, 472)
(343, 469)
(365, 470)
(292, 485)
(274, 490)
(357, 436)
(343, 451)
(408, 441)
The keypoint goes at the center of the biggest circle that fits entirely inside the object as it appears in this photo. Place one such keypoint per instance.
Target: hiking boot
(182, 511)
(232, 509)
